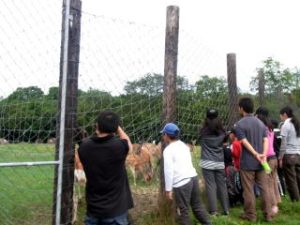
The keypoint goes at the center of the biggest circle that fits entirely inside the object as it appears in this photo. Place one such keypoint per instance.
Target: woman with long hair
(212, 135)
(289, 157)
(262, 113)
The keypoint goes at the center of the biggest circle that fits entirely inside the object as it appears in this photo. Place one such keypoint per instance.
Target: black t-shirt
(107, 189)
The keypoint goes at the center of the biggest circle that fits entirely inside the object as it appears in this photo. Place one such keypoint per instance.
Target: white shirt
(290, 143)
(178, 166)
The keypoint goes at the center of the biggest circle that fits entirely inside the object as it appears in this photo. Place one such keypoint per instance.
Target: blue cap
(170, 129)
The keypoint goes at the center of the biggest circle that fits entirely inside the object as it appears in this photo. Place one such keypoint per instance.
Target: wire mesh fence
(29, 64)
(121, 68)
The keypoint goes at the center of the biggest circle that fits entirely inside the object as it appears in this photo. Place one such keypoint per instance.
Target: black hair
(212, 126)
(262, 113)
(108, 122)
(246, 104)
(275, 123)
(289, 112)
(173, 137)
(232, 131)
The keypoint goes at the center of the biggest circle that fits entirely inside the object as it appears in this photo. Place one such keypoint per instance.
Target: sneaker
(247, 218)
(275, 209)
(213, 213)
(225, 213)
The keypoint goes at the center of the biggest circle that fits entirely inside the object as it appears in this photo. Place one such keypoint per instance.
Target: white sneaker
(275, 209)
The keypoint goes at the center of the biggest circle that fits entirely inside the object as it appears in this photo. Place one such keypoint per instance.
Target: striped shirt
(211, 165)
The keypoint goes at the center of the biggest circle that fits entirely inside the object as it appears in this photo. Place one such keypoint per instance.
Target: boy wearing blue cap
(181, 177)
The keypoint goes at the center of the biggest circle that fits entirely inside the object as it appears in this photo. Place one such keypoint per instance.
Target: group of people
(255, 156)
(108, 192)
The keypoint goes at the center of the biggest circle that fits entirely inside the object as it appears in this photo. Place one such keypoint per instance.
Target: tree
(276, 80)
(193, 103)
(279, 87)
(26, 94)
(152, 85)
(209, 87)
(53, 93)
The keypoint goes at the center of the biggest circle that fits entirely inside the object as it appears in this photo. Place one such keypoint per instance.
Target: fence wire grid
(121, 67)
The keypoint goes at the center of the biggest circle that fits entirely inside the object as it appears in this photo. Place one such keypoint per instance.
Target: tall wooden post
(170, 70)
(169, 95)
(232, 89)
(261, 87)
(73, 44)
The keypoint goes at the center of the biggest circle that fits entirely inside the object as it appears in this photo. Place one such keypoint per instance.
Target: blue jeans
(118, 220)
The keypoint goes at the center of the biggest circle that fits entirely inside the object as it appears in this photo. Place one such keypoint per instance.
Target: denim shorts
(118, 220)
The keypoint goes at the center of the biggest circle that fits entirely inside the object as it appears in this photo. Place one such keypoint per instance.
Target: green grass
(289, 215)
(289, 212)
(26, 194)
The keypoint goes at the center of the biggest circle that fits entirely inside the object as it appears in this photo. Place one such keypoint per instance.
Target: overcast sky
(253, 29)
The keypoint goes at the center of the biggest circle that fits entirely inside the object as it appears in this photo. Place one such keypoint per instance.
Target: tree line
(28, 114)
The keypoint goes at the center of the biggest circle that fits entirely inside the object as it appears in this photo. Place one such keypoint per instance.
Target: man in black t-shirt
(103, 156)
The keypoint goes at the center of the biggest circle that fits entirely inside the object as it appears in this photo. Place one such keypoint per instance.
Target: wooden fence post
(66, 212)
(169, 94)
(170, 69)
(261, 87)
(232, 90)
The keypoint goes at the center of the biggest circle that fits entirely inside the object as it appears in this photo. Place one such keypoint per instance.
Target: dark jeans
(215, 185)
(189, 195)
(291, 169)
(249, 178)
(118, 220)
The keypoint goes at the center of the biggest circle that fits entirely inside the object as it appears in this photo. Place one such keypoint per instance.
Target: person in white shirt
(289, 155)
(181, 177)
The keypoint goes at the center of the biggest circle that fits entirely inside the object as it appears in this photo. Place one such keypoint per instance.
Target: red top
(236, 149)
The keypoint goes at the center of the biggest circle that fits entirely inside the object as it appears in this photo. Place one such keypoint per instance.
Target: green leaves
(28, 114)
(276, 80)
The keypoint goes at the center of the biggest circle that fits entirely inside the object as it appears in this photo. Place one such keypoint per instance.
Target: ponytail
(296, 123)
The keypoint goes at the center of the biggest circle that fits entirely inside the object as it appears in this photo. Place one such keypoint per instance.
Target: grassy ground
(26, 194)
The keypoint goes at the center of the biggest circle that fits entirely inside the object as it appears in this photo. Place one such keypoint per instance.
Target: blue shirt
(254, 131)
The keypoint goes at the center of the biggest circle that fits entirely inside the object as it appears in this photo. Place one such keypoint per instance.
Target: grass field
(26, 194)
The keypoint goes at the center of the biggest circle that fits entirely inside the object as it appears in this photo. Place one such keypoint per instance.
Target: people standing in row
(289, 156)
(181, 177)
(212, 135)
(262, 113)
(253, 135)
